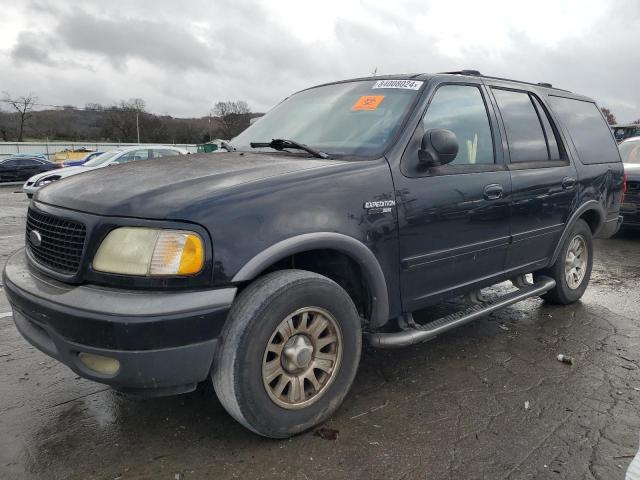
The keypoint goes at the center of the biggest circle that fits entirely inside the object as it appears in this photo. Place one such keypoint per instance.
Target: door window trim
(564, 154)
(498, 160)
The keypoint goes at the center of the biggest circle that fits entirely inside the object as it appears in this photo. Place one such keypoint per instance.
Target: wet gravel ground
(488, 400)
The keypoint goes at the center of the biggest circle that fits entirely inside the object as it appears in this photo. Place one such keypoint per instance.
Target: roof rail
(474, 73)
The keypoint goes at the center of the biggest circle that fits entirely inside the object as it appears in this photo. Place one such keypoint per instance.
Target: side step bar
(422, 333)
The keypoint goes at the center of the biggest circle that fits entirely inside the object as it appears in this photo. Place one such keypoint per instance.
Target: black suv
(328, 221)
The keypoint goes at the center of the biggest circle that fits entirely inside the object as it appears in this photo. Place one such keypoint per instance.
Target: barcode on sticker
(406, 84)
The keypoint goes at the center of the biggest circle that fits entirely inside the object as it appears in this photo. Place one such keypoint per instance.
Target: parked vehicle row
(18, 168)
(113, 157)
(327, 223)
(77, 163)
(622, 132)
(630, 152)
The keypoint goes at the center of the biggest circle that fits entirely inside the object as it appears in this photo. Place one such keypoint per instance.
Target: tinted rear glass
(589, 131)
(524, 133)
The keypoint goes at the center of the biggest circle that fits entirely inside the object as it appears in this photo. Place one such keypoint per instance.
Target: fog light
(99, 364)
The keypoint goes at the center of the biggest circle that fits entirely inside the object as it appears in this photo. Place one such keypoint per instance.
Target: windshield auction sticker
(406, 84)
(368, 102)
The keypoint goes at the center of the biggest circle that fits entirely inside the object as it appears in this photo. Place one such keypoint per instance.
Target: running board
(422, 333)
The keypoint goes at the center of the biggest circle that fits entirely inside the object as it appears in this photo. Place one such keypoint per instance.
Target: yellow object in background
(70, 155)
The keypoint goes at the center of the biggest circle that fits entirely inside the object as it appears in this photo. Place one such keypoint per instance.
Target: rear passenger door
(543, 180)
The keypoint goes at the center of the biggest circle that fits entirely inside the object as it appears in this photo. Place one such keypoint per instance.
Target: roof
(544, 86)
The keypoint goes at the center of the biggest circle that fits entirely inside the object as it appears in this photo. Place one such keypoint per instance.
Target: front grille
(62, 241)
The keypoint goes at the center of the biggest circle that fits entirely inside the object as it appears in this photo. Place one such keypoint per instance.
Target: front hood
(165, 188)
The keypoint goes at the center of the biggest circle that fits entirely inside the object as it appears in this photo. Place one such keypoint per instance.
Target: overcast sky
(183, 56)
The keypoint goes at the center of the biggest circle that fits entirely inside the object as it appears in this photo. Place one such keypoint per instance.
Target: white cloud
(182, 57)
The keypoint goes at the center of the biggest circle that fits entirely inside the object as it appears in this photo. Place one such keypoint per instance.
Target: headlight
(150, 252)
(46, 181)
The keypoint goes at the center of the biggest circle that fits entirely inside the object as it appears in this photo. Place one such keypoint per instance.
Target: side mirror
(438, 147)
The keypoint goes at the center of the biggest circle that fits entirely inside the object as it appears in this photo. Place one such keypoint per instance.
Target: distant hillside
(119, 125)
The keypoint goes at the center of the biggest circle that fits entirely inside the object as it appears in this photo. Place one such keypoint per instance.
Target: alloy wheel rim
(302, 358)
(575, 264)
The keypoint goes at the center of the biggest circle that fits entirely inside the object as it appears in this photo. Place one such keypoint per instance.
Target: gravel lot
(453, 408)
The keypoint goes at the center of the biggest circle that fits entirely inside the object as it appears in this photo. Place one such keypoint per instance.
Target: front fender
(355, 249)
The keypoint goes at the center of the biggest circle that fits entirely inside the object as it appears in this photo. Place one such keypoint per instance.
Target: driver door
(453, 219)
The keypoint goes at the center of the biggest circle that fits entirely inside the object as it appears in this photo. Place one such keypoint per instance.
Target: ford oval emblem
(35, 238)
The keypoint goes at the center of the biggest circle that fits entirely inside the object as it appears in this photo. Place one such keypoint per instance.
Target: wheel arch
(349, 246)
(591, 212)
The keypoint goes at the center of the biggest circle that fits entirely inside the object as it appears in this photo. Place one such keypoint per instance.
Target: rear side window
(165, 153)
(30, 163)
(589, 131)
(549, 132)
(529, 133)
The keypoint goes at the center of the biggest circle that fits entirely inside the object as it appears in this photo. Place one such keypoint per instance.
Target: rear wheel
(572, 268)
(288, 353)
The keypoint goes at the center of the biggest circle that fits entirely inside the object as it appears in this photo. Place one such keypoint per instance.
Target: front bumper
(164, 340)
(631, 212)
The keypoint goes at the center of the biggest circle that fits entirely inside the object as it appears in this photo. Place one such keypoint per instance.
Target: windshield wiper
(282, 144)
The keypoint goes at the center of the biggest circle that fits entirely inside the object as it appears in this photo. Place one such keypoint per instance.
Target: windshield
(101, 159)
(630, 151)
(352, 118)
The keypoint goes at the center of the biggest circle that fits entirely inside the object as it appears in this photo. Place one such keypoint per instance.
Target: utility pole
(138, 126)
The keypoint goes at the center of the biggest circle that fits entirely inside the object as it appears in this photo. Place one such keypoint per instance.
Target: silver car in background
(114, 157)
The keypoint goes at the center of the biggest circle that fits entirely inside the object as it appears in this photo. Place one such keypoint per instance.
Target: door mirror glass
(438, 147)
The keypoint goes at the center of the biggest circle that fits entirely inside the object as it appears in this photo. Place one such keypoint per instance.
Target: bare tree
(23, 106)
(234, 117)
(94, 107)
(611, 118)
(122, 120)
(5, 125)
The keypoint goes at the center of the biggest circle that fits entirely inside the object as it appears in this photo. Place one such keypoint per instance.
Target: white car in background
(113, 157)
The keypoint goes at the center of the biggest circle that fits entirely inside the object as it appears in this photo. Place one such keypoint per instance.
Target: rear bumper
(610, 227)
(164, 341)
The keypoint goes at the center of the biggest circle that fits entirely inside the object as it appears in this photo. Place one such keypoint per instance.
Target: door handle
(568, 183)
(493, 191)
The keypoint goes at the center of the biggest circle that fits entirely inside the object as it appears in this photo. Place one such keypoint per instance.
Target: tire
(564, 293)
(252, 325)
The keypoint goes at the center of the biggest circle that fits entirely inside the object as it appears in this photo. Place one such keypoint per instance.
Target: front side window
(133, 156)
(30, 163)
(525, 135)
(354, 119)
(461, 109)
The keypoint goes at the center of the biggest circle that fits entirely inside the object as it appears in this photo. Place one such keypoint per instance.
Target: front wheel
(288, 353)
(572, 268)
